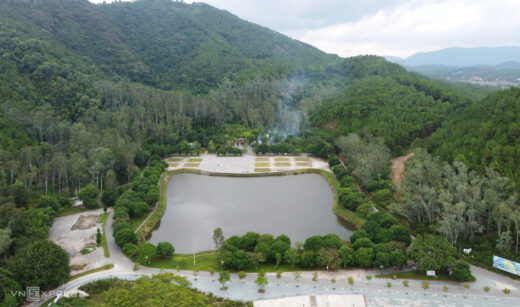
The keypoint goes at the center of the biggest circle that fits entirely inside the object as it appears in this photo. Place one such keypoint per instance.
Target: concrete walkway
(247, 163)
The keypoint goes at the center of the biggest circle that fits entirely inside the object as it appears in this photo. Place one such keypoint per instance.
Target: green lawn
(262, 170)
(261, 159)
(261, 164)
(282, 164)
(103, 268)
(191, 164)
(195, 160)
(302, 159)
(103, 220)
(281, 159)
(175, 159)
(71, 210)
(420, 276)
(207, 261)
(306, 164)
(136, 221)
(174, 164)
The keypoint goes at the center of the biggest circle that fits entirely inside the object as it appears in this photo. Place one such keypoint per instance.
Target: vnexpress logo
(32, 294)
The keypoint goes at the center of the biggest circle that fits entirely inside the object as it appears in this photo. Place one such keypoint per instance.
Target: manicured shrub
(363, 243)
(462, 271)
(364, 257)
(129, 249)
(358, 234)
(314, 243)
(165, 249)
(308, 259)
(346, 254)
(125, 236)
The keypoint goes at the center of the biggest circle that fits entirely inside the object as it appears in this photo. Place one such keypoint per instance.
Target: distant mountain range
(461, 57)
(498, 66)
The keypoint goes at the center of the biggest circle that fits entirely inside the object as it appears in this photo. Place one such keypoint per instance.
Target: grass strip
(302, 159)
(103, 268)
(175, 159)
(261, 159)
(261, 164)
(262, 170)
(103, 220)
(195, 160)
(71, 210)
(281, 159)
(282, 164)
(304, 164)
(191, 164)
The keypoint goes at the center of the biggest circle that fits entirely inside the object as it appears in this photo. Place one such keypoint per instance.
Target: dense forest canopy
(486, 134)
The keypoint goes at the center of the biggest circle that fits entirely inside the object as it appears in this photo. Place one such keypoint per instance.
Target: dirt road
(398, 167)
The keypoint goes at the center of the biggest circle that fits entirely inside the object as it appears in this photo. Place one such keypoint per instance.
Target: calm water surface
(298, 206)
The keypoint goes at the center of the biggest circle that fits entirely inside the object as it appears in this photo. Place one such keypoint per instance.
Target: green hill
(166, 44)
(485, 134)
(383, 99)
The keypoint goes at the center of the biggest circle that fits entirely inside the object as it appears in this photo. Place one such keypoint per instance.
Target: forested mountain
(166, 44)
(383, 99)
(485, 134)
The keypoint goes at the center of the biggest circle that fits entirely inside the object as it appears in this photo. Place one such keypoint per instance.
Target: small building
(240, 141)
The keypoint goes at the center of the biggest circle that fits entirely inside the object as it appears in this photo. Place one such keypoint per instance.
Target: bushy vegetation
(253, 249)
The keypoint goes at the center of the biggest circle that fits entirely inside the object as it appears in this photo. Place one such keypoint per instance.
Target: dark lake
(298, 206)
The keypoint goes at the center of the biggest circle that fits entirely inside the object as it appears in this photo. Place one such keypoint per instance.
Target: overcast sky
(384, 27)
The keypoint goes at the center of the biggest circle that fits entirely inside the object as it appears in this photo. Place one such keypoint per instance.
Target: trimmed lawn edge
(103, 219)
(102, 268)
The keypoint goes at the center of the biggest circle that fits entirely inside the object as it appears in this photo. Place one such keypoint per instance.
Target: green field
(261, 164)
(103, 220)
(261, 159)
(103, 268)
(262, 170)
(282, 164)
(71, 210)
(175, 159)
(175, 164)
(191, 164)
(302, 159)
(306, 164)
(195, 160)
(282, 159)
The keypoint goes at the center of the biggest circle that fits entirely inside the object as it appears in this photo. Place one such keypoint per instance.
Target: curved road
(376, 290)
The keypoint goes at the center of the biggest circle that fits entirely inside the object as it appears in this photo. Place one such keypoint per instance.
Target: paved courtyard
(246, 164)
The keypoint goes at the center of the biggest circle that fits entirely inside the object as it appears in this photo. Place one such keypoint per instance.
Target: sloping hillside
(162, 43)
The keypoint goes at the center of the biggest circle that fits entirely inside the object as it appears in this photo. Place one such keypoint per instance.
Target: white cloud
(422, 26)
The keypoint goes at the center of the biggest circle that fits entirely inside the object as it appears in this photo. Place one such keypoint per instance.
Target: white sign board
(430, 273)
(467, 251)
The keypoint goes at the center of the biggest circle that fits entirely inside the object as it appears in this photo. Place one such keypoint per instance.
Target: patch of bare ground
(77, 233)
(398, 168)
(331, 126)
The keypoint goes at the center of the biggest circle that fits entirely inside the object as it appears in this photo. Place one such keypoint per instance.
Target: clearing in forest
(398, 167)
